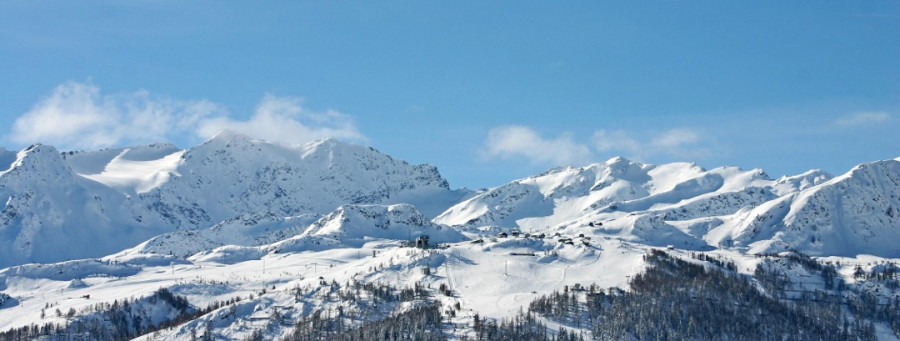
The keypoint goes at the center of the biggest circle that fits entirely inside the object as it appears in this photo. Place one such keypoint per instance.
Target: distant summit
(58, 203)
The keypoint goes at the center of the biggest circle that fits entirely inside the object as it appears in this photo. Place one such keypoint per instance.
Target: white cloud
(676, 142)
(72, 114)
(520, 141)
(861, 118)
(676, 138)
(679, 142)
(284, 120)
(77, 116)
(617, 141)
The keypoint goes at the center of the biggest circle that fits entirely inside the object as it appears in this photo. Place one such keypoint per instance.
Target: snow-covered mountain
(685, 205)
(350, 225)
(243, 239)
(51, 213)
(354, 225)
(233, 190)
(617, 187)
(233, 173)
(70, 205)
(855, 213)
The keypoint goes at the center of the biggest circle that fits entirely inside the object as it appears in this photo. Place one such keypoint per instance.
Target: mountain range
(235, 202)
(68, 205)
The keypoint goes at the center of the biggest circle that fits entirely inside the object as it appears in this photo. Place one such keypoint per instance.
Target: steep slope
(236, 191)
(558, 194)
(232, 173)
(247, 230)
(612, 189)
(855, 213)
(348, 226)
(677, 204)
(130, 170)
(354, 225)
(51, 213)
(68, 205)
(258, 274)
(790, 184)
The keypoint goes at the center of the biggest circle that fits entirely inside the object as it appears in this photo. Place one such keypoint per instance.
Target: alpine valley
(243, 239)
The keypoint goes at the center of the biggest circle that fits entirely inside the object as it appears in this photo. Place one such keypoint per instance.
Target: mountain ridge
(270, 237)
(145, 191)
(141, 192)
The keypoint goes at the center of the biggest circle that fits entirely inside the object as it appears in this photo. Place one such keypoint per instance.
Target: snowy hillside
(350, 225)
(251, 229)
(685, 205)
(51, 213)
(129, 170)
(69, 205)
(617, 186)
(315, 178)
(243, 239)
(655, 204)
(354, 225)
(855, 213)
(275, 294)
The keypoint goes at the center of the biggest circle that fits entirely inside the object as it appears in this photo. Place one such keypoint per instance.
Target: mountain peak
(330, 141)
(38, 158)
(622, 168)
(39, 147)
(874, 164)
(809, 178)
(228, 137)
(327, 143)
(363, 221)
(617, 160)
(622, 164)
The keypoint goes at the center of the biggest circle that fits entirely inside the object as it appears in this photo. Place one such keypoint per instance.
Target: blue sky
(486, 91)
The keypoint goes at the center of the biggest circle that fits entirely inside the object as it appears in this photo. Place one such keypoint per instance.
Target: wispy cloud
(78, 116)
(676, 142)
(285, 120)
(680, 143)
(862, 118)
(520, 141)
(617, 141)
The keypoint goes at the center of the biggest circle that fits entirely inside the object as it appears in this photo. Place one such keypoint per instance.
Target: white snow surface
(493, 279)
(133, 177)
(852, 214)
(354, 225)
(685, 205)
(69, 205)
(235, 215)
